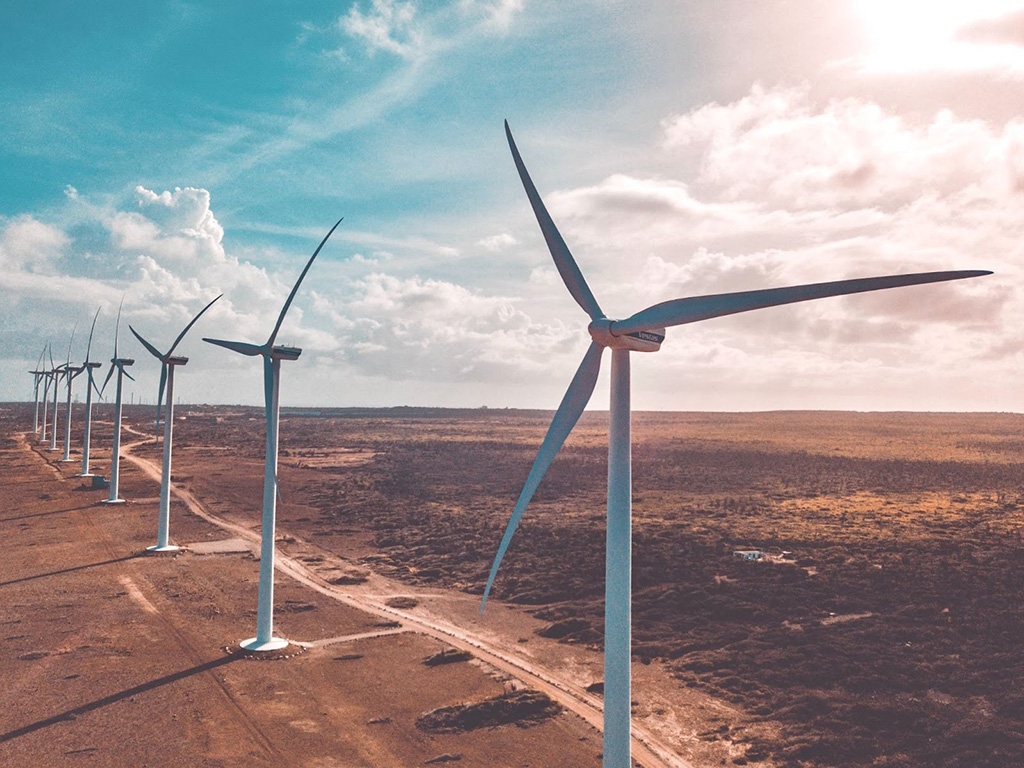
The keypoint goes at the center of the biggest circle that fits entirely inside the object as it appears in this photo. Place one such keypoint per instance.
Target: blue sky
(169, 152)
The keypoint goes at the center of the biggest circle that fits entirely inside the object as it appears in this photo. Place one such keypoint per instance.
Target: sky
(169, 152)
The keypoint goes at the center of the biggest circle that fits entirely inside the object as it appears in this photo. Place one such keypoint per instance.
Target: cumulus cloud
(29, 245)
(776, 144)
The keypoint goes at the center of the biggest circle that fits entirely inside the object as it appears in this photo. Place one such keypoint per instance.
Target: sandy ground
(114, 658)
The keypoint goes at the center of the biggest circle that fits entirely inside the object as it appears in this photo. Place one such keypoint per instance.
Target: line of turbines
(643, 331)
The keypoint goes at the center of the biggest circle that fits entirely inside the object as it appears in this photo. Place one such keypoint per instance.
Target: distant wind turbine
(272, 357)
(119, 363)
(51, 380)
(167, 365)
(90, 385)
(37, 375)
(642, 332)
(56, 371)
(70, 372)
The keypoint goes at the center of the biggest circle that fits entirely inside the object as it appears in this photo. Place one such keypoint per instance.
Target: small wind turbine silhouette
(642, 332)
(69, 374)
(167, 365)
(90, 385)
(51, 380)
(272, 357)
(119, 363)
(37, 375)
(58, 371)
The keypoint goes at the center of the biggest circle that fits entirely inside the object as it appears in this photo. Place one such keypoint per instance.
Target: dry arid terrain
(883, 629)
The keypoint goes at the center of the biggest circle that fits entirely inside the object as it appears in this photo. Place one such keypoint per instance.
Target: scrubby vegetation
(890, 637)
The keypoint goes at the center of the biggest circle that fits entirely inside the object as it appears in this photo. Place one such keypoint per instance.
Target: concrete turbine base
(113, 501)
(86, 474)
(255, 644)
(165, 548)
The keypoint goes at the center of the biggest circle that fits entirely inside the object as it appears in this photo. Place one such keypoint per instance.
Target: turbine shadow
(44, 514)
(113, 698)
(70, 570)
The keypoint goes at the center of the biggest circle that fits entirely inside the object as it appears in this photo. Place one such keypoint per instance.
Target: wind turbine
(119, 363)
(56, 371)
(50, 377)
(37, 375)
(167, 365)
(642, 332)
(272, 357)
(69, 374)
(88, 368)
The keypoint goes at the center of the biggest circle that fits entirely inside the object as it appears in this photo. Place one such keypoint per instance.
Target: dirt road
(647, 749)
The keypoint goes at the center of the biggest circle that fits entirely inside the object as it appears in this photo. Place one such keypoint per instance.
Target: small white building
(749, 554)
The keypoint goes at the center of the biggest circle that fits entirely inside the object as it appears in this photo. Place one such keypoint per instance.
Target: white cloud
(29, 245)
(386, 26)
(776, 144)
(498, 242)
(919, 36)
(424, 329)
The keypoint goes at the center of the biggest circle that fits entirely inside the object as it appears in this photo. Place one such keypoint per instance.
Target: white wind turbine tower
(642, 332)
(272, 357)
(88, 367)
(69, 374)
(37, 375)
(167, 365)
(115, 457)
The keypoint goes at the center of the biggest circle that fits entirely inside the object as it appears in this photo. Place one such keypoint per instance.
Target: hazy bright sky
(172, 151)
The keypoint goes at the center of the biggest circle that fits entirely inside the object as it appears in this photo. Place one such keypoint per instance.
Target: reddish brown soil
(891, 637)
(114, 658)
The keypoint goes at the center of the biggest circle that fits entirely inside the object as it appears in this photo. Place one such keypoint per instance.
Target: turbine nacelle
(92, 365)
(285, 353)
(176, 360)
(602, 331)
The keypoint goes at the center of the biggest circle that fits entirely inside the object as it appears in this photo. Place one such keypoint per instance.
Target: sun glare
(910, 35)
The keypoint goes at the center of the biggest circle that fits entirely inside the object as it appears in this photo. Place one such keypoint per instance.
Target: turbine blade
(573, 402)
(92, 383)
(193, 322)
(50, 347)
(295, 288)
(692, 310)
(152, 350)
(106, 380)
(117, 325)
(121, 367)
(88, 348)
(564, 262)
(70, 343)
(239, 346)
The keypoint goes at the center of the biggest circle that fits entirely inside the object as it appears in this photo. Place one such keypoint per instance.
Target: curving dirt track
(647, 748)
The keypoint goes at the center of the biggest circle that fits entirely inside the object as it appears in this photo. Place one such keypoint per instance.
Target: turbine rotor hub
(638, 341)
